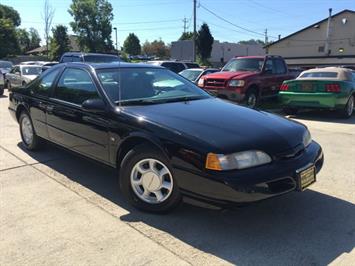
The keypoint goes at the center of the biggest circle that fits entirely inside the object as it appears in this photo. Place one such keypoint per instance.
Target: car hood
(227, 127)
(231, 74)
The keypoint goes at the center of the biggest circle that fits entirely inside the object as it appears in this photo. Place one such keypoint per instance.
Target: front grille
(215, 83)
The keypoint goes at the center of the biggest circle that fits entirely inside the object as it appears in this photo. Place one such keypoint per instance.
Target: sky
(229, 20)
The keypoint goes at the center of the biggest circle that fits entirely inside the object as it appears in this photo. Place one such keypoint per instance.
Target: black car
(167, 137)
(88, 57)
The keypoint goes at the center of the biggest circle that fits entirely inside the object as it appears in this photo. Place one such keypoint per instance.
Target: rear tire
(28, 135)
(348, 110)
(141, 190)
(290, 110)
(1, 91)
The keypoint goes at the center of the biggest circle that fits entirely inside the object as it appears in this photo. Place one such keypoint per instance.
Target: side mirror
(17, 73)
(94, 105)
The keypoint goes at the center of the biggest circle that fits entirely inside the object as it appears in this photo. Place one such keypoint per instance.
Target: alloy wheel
(350, 106)
(27, 130)
(151, 181)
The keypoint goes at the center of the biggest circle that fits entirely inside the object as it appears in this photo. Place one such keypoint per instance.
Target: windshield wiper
(161, 100)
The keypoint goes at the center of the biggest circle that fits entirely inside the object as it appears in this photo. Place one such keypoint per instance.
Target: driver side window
(268, 67)
(75, 86)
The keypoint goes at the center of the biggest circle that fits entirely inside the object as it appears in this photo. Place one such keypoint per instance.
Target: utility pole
(327, 41)
(115, 29)
(185, 22)
(194, 36)
(266, 41)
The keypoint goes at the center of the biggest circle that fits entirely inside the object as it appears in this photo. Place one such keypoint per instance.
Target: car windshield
(244, 64)
(319, 75)
(101, 58)
(6, 65)
(147, 86)
(31, 70)
(191, 74)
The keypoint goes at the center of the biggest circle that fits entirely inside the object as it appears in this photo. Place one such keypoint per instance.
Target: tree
(186, 36)
(204, 42)
(35, 40)
(156, 48)
(132, 45)
(59, 43)
(23, 39)
(253, 41)
(92, 24)
(48, 14)
(9, 20)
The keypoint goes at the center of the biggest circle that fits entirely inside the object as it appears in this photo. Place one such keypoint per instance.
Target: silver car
(20, 75)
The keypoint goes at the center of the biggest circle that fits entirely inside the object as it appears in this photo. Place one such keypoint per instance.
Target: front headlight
(236, 83)
(201, 82)
(307, 138)
(239, 160)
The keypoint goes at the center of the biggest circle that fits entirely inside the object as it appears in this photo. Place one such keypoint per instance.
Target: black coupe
(167, 137)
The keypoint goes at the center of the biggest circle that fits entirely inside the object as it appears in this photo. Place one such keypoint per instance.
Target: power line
(231, 23)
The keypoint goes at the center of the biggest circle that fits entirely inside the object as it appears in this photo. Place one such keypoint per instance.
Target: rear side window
(45, 83)
(101, 59)
(280, 67)
(76, 59)
(319, 75)
(66, 59)
(192, 65)
(75, 86)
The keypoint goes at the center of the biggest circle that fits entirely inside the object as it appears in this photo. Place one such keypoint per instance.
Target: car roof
(83, 54)
(342, 72)
(110, 65)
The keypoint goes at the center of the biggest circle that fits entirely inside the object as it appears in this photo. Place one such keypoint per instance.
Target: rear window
(319, 75)
(101, 58)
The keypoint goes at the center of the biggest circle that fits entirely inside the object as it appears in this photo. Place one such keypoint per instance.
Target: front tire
(252, 98)
(147, 180)
(348, 110)
(28, 135)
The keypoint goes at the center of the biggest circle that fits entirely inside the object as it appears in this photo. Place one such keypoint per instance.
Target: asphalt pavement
(58, 208)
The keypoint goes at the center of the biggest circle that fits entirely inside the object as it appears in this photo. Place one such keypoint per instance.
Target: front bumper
(231, 94)
(249, 185)
(313, 100)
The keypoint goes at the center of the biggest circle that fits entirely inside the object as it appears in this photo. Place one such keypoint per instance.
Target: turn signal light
(212, 162)
(284, 87)
(332, 88)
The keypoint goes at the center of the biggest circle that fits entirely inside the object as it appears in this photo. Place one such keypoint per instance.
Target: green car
(327, 88)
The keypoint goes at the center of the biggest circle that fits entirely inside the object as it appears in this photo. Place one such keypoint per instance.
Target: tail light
(332, 88)
(284, 87)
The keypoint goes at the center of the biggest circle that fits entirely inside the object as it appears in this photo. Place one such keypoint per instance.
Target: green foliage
(131, 45)
(9, 19)
(156, 48)
(92, 24)
(23, 39)
(253, 41)
(59, 43)
(186, 36)
(204, 42)
(35, 40)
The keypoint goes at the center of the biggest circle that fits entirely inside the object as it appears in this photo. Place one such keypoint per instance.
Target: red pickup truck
(248, 79)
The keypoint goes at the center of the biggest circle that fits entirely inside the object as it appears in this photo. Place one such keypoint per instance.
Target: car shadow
(309, 228)
(323, 116)
(3, 96)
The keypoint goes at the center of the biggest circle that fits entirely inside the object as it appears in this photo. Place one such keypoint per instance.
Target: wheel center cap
(151, 181)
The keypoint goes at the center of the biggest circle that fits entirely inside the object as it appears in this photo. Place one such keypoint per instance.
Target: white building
(221, 51)
(330, 41)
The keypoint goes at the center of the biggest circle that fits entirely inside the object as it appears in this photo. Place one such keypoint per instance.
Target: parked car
(88, 57)
(194, 74)
(329, 87)
(20, 75)
(166, 136)
(248, 79)
(175, 66)
(48, 65)
(5, 67)
(2, 83)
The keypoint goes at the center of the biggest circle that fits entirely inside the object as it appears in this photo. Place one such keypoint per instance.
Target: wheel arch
(253, 86)
(133, 140)
(20, 108)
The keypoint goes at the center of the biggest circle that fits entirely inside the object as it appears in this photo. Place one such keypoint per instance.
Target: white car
(2, 83)
(20, 75)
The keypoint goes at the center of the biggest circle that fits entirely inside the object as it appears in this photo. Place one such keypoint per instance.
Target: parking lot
(57, 208)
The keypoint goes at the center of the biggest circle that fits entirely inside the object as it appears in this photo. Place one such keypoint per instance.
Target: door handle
(49, 108)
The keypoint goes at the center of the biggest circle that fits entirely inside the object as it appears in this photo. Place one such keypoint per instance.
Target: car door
(17, 77)
(40, 92)
(71, 126)
(280, 75)
(268, 78)
(11, 77)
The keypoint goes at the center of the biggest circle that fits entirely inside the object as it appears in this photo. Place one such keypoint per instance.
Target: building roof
(311, 26)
